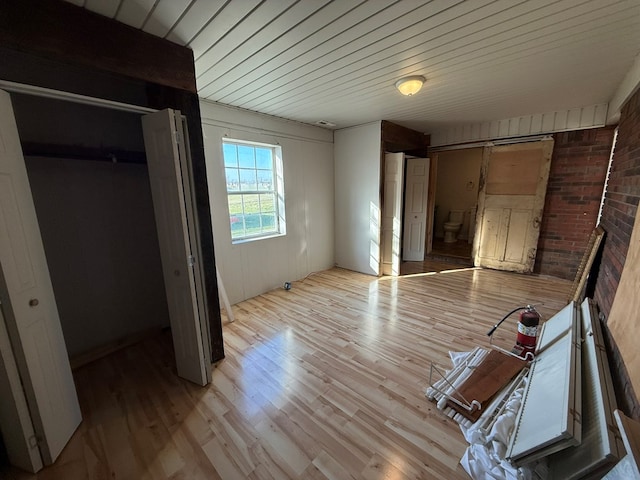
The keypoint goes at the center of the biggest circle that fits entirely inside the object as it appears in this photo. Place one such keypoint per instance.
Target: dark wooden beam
(396, 138)
(57, 29)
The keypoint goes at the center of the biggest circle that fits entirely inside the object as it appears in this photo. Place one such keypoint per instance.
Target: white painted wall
(458, 175)
(97, 226)
(357, 197)
(251, 268)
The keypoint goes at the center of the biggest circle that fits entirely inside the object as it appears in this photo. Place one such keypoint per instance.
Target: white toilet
(452, 227)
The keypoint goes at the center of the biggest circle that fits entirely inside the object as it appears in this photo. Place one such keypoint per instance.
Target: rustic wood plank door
(513, 184)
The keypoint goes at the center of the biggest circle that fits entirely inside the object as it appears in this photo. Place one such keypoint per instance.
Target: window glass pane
(235, 204)
(246, 157)
(252, 224)
(263, 158)
(248, 180)
(233, 179)
(255, 190)
(237, 226)
(251, 203)
(268, 222)
(230, 154)
(267, 202)
(265, 179)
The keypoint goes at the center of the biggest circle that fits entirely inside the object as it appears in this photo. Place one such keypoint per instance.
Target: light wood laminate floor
(325, 381)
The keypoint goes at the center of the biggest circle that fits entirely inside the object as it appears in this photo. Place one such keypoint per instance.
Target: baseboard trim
(94, 354)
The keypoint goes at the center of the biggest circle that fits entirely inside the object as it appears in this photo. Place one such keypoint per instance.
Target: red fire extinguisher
(527, 337)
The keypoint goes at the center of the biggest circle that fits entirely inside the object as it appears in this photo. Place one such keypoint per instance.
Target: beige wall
(357, 197)
(251, 268)
(458, 173)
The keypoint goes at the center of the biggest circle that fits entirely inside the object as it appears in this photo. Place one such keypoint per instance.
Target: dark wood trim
(396, 138)
(74, 35)
(78, 152)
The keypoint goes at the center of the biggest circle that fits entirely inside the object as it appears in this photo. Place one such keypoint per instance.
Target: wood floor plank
(324, 381)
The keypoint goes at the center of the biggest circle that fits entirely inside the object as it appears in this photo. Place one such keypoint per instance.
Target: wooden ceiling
(337, 61)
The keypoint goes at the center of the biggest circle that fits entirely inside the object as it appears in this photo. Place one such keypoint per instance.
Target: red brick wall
(578, 170)
(618, 217)
(621, 203)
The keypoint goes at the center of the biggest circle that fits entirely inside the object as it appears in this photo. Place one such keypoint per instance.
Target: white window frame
(277, 191)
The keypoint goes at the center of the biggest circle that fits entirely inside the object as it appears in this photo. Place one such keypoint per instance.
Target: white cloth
(485, 459)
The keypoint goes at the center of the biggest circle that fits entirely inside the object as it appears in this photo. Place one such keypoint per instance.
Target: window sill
(240, 241)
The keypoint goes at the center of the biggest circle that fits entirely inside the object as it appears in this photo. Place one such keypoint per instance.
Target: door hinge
(191, 260)
(33, 441)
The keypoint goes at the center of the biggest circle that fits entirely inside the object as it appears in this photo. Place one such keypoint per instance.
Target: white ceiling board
(371, 35)
(261, 20)
(471, 54)
(323, 26)
(106, 8)
(199, 14)
(165, 16)
(337, 60)
(437, 30)
(224, 22)
(258, 46)
(135, 12)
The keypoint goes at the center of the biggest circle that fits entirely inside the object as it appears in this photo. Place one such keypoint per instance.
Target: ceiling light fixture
(410, 85)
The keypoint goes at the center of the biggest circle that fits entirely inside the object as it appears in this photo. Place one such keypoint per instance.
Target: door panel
(161, 134)
(29, 305)
(492, 227)
(15, 418)
(510, 204)
(391, 213)
(519, 220)
(415, 209)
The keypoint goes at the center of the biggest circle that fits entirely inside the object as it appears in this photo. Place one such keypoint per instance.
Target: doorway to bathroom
(456, 200)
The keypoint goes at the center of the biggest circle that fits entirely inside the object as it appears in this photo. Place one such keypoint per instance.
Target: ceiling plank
(134, 12)
(261, 21)
(220, 25)
(330, 27)
(107, 8)
(166, 14)
(258, 45)
(197, 16)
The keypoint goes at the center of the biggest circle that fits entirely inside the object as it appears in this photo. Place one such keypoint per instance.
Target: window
(255, 189)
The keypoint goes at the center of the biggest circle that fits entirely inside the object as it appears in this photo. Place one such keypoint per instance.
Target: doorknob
(33, 302)
(536, 222)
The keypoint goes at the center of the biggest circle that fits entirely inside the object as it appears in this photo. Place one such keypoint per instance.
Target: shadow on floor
(443, 256)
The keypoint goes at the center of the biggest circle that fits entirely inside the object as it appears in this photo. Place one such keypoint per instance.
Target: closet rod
(14, 87)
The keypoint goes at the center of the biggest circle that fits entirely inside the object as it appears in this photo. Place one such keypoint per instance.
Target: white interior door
(510, 205)
(29, 307)
(164, 145)
(415, 209)
(15, 419)
(392, 213)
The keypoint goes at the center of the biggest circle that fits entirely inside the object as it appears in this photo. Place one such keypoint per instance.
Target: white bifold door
(39, 409)
(39, 420)
(169, 173)
(392, 213)
(415, 209)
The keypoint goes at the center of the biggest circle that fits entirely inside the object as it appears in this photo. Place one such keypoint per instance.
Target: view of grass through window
(251, 189)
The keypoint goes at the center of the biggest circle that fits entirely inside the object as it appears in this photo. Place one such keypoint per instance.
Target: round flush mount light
(410, 85)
